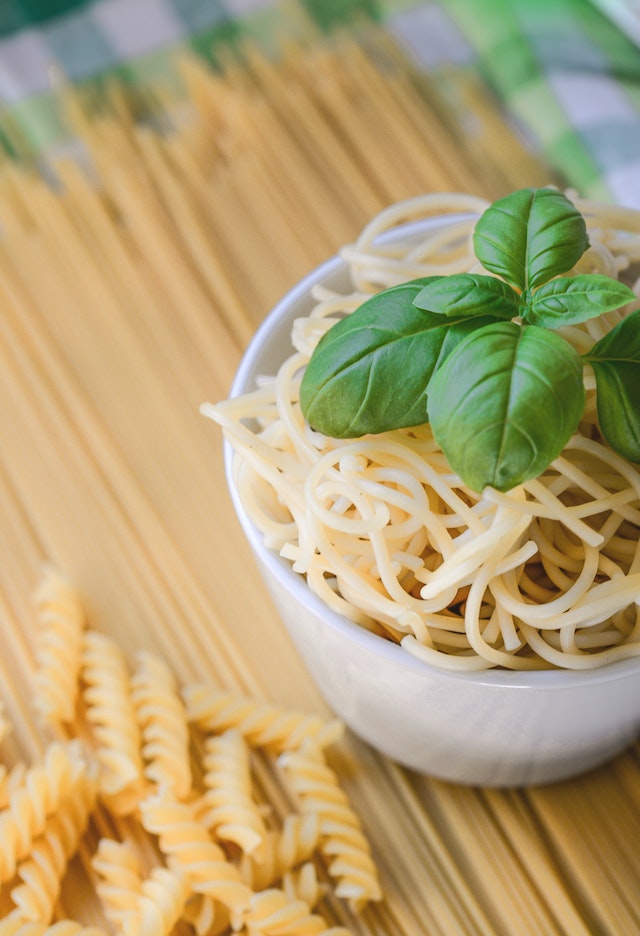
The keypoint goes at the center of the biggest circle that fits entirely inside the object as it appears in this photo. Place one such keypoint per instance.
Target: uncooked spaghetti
(546, 575)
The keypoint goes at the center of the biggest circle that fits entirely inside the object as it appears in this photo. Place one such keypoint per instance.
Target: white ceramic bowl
(494, 728)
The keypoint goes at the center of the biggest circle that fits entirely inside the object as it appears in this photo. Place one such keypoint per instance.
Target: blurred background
(565, 74)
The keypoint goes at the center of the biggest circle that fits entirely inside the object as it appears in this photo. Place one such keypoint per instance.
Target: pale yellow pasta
(119, 871)
(207, 917)
(111, 713)
(34, 797)
(284, 849)
(10, 780)
(186, 842)
(162, 719)
(317, 790)
(40, 875)
(217, 853)
(159, 905)
(230, 807)
(262, 724)
(61, 619)
(303, 884)
(384, 532)
(272, 913)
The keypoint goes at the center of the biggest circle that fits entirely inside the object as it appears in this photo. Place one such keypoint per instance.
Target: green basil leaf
(370, 372)
(469, 294)
(616, 364)
(530, 236)
(505, 402)
(570, 300)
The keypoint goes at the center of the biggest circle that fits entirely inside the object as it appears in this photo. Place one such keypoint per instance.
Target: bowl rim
(281, 570)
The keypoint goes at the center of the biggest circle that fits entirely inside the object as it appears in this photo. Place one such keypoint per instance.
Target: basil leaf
(505, 402)
(370, 372)
(530, 236)
(469, 294)
(616, 364)
(573, 299)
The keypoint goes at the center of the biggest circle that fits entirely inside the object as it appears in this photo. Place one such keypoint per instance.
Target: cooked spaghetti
(546, 575)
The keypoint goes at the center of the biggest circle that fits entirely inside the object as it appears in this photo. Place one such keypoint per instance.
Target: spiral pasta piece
(119, 878)
(159, 905)
(230, 807)
(135, 905)
(302, 884)
(263, 725)
(185, 841)
(42, 872)
(342, 840)
(110, 711)
(10, 780)
(283, 850)
(163, 722)
(207, 917)
(38, 796)
(61, 620)
(272, 913)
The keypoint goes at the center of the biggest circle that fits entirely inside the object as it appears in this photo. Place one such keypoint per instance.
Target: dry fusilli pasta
(206, 916)
(318, 791)
(224, 871)
(41, 873)
(119, 878)
(230, 807)
(163, 722)
(10, 780)
(263, 725)
(272, 913)
(61, 620)
(159, 905)
(302, 884)
(283, 850)
(42, 789)
(110, 710)
(186, 842)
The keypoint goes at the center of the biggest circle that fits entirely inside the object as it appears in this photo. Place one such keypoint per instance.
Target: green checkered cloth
(563, 70)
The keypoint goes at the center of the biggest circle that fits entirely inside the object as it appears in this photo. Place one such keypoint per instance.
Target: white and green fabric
(566, 71)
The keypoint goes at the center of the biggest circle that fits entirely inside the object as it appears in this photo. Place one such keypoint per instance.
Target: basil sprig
(479, 356)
